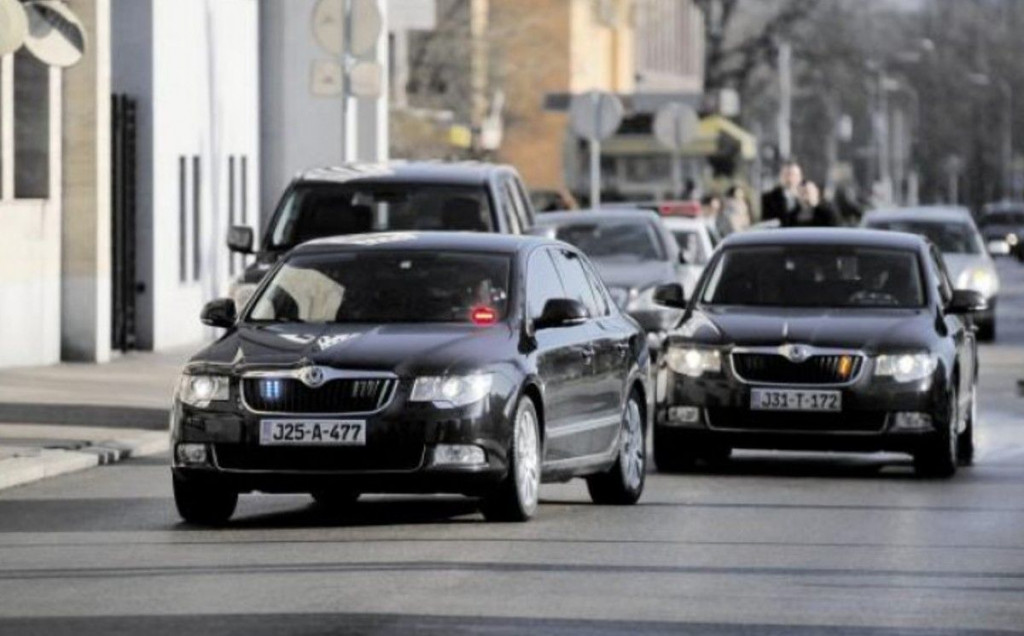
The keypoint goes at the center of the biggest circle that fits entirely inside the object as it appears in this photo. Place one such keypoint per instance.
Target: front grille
(317, 459)
(777, 369)
(724, 419)
(288, 395)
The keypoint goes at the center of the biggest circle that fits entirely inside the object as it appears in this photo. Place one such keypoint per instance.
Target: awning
(716, 136)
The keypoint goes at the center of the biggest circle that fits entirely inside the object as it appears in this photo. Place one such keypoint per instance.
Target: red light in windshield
(483, 316)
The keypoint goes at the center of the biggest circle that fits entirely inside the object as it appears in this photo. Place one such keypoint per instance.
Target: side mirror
(240, 239)
(670, 295)
(966, 301)
(219, 313)
(561, 312)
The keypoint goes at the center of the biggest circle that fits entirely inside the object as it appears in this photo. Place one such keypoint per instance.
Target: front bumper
(716, 409)
(397, 456)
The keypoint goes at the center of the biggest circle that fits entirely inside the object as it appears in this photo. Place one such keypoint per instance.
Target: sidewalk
(73, 416)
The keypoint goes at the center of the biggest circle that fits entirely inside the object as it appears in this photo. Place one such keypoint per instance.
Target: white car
(953, 231)
(696, 245)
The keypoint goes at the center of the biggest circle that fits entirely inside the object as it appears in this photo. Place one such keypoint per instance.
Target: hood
(636, 274)
(403, 349)
(871, 330)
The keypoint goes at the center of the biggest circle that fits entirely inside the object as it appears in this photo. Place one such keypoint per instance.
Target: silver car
(953, 231)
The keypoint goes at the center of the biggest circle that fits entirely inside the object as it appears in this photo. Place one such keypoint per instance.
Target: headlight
(693, 362)
(1012, 240)
(642, 299)
(906, 367)
(453, 390)
(201, 390)
(980, 280)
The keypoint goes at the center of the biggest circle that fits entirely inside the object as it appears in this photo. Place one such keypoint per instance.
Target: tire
(334, 499)
(623, 483)
(672, 453)
(938, 456)
(517, 496)
(202, 504)
(965, 440)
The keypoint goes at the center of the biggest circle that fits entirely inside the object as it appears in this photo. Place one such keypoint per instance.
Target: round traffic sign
(675, 125)
(595, 115)
(13, 26)
(366, 26)
(55, 34)
(329, 25)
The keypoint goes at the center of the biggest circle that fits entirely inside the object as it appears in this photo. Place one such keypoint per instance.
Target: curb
(47, 463)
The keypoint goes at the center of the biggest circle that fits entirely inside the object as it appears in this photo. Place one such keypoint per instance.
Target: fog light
(459, 454)
(191, 454)
(912, 422)
(684, 414)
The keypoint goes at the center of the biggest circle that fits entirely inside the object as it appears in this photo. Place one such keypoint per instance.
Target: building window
(197, 190)
(182, 219)
(31, 127)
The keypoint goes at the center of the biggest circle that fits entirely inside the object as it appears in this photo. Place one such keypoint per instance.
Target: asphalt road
(770, 544)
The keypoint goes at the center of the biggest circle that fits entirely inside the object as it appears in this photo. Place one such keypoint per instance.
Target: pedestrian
(795, 202)
(736, 208)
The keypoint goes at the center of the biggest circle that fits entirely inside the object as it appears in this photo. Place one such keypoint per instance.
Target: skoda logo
(312, 377)
(795, 353)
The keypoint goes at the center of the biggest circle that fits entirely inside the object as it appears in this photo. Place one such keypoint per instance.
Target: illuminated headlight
(452, 390)
(241, 293)
(1012, 240)
(906, 367)
(693, 362)
(201, 390)
(980, 280)
(640, 300)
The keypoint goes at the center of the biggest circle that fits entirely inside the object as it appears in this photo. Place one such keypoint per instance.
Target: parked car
(953, 231)
(398, 195)
(822, 339)
(634, 253)
(415, 362)
(1002, 226)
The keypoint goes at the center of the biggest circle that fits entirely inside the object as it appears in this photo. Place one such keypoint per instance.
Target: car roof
(582, 216)
(826, 236)
(458, 173)
(426, 241)
(928, 214)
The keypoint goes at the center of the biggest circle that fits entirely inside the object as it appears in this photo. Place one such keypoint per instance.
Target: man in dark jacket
(795, 202)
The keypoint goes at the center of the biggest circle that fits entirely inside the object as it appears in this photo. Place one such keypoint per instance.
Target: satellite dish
(13, 26)
(55, 34)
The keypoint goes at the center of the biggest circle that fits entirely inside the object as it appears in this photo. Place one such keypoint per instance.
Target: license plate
(795, 400)
(313, 432)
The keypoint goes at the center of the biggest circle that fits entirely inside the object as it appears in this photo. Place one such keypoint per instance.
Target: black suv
(394, 196)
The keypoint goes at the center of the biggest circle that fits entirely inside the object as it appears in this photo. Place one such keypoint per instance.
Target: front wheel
(517, 496)
(623, 484)
(204, 505)
(938, 456)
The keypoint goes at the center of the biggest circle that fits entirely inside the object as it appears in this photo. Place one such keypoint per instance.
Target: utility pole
(478, 25)
(785, 130)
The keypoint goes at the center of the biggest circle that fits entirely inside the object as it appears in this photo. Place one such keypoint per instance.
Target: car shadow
(809, 465)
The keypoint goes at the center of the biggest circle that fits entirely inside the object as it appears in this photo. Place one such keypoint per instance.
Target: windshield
(385, 287)
(690, 246)
(1006, 217)
(816, 277)
(628, 240)
(314, 211)
(950, 238)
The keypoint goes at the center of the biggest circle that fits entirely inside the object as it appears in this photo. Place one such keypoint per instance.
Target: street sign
(365, 27)
(675, 125)
(326, 80)
(329, 25)
(55, 34)
(365, 80)
(595, 115)
(13, 26)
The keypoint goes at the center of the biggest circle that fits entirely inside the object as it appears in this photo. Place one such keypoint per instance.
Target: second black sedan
(840, 340)
(416, 362)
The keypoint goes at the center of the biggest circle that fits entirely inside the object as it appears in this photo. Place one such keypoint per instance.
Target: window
(626, 240)
(515, 208)
(524, 204)
(599, 290)
(942, 275)
(508, 209)
(575, 281)
(542, 283)
(31, 127)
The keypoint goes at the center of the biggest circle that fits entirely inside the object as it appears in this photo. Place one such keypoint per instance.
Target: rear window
(624, 240)
(950, 238)
(315, 211)
(385, 287)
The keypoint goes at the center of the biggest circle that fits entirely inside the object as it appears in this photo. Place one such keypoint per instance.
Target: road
(769, 544)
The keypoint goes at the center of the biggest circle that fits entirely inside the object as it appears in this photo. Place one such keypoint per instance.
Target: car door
(593, 421)
(612, 345)
(561, 354)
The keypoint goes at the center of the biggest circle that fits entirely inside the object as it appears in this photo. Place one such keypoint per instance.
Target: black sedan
(841, 340)
(421, 363)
